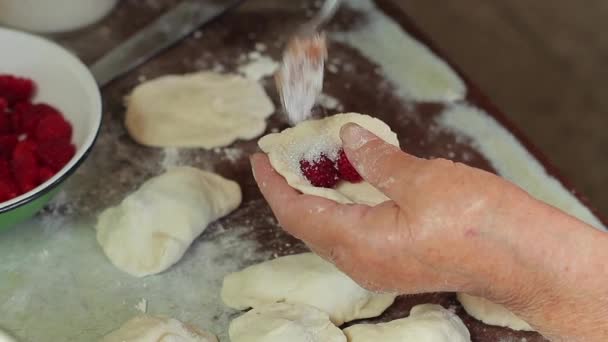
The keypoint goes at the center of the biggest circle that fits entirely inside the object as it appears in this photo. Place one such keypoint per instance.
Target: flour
(330, 102)
(512, 160)
(171, 158)
(142, 305)
(259, 68)
(420, 74)
(230, 153)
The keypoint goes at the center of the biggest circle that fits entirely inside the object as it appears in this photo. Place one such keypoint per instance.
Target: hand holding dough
(157, 329)
(283, 322)
(303, 279)
(308, 140)
(197, 110)
(154, 226)
(426, 323)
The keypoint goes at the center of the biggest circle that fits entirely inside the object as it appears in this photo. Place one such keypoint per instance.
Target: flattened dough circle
(303, 279)
(428, 322)
(282, 322)
(308, 139)
(203, 109)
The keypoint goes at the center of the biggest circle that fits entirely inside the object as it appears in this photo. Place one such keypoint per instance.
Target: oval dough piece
(283, 322)
(303, 279)
(308, 140)
(426, 323)
(491, 313)
(154, 226)
(146, 328)
(197, 110)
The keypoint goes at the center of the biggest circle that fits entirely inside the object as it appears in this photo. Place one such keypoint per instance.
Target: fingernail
(354, 136)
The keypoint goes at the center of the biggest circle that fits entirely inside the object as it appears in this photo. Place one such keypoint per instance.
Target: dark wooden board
(360, 89)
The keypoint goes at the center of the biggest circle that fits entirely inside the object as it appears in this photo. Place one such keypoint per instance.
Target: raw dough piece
(426, 323)
(308, 140)
(491, 313)
(304, 279)
(197, 110)
(283, 322)
(157, 329)
(154, 226)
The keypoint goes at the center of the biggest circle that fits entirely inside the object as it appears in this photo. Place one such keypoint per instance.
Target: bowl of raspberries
(50, 115)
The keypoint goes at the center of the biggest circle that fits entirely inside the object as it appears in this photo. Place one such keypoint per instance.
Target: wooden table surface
(543, 63)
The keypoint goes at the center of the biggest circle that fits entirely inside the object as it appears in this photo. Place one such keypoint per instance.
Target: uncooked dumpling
(283, 322)
(304, 279)
(426, 323)
(154, 226)
(310, 139)
(491, 313)
(197, 110)
(157, 329)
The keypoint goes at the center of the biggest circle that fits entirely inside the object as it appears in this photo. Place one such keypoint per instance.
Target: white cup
(53, 16)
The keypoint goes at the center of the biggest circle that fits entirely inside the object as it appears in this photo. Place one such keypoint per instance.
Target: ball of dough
(197, 110)
(428, 323)
(146, 328)
(154, 226)
(308, 140)
(304, 279)
(283, 322)
(491, 313)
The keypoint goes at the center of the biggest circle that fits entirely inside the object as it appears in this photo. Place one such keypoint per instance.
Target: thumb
(383, 165)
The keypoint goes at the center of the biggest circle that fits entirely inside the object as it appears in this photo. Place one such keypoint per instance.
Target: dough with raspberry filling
(308, 140)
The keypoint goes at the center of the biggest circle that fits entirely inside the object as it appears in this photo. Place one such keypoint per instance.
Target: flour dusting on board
(412, 66)
(87, 292)
(512, 160)
(259, 67)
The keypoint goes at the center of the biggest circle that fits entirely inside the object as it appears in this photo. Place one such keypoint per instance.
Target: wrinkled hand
(447, 227)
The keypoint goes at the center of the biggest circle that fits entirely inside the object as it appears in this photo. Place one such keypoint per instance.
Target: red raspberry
(346, 169)
(6, 125)
(321, 172)
(3, 105)
(27, 116)
(55, 154)
(45, 173)
(8, 190)
(16, 89)
(25, 165)
(53, 127)
(7, 145)
(5, 170)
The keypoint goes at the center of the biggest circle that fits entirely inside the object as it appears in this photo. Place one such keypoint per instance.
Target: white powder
(142, 305)
(170, 158)
(413, 67)
(512, 160)
(329, 102)
(259, 68)
(230, 153)
(261, 47)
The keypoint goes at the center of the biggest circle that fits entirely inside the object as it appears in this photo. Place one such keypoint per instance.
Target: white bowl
(64, 82)
(51, 16)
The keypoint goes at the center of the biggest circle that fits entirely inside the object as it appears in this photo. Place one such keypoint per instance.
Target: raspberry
(3, 105)
(8, 190)
(25, 165)
(7, 145)
(5, 170)
(45, 173)
(321, 172)
(6, 125)
(55, 154)
(346, 170)
(16, 89)
(53, 127)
